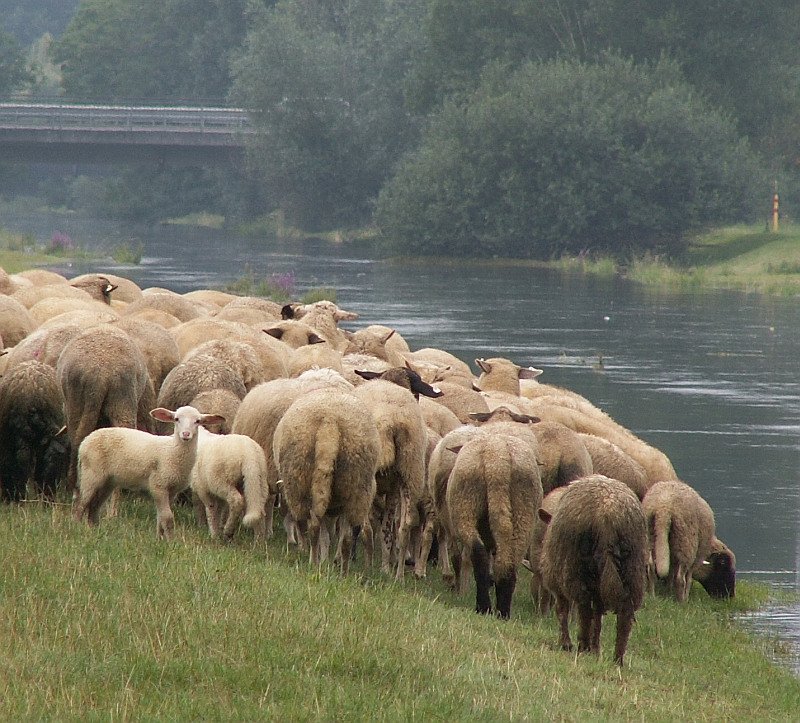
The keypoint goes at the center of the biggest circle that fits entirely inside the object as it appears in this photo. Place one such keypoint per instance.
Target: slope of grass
(112, 623)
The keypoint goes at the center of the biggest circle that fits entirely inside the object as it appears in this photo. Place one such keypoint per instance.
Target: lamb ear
(545, 516)
(388, 336)
(209, 420)
(275, 331)
(455, 450)
(484, 365)
(529, 373)
(162, 415)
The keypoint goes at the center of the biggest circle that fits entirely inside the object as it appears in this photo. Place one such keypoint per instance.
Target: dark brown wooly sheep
(326, 450)
(595, 556)
(105, 382)
(492, 495)
(32, 445)
(680, 524)
(392, 396)
(717, 574)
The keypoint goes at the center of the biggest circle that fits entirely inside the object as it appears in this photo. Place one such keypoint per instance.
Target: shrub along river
(711, 378)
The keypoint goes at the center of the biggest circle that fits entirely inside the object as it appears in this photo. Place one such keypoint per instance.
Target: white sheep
(224, 464)
(121, 458)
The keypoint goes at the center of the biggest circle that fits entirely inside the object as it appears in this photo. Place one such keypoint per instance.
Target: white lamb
(226, 464)
(121, 458)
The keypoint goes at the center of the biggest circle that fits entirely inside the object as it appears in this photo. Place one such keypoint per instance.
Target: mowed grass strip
(113, 623)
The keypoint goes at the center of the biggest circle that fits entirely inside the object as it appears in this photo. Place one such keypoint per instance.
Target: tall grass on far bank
(112, 623)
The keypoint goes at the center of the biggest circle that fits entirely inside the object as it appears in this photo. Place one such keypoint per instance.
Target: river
(711, 378)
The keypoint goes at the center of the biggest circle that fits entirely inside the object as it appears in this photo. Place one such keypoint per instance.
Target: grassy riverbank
(111, 622)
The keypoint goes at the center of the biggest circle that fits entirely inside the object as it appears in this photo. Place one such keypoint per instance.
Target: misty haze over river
(710, 378)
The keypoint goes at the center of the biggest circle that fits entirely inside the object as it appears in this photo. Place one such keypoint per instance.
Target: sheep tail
(497, 474)
(254, 474)
(325, 454)
(661, 523)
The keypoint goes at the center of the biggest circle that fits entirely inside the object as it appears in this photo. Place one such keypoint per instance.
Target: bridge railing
(62, 116)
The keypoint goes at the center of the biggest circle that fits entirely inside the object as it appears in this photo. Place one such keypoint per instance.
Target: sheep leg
(235, 512)
(426, 542)
(113, 505)
(404, 533)
(562, 613)
(597, 625)
(327, 533)
(445, 561)
(165, 520)
(269, 513)
(388, 520)
(504, 590)
(585, 619)
(368, 536)
(479, 559)
(624, 626)
(464, 570)
(313, 532)
(681, 583)
(200, 507)
(345, 545)
(213, 514)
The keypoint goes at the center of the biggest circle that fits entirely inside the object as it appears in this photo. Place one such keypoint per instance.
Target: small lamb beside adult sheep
(230, 472)
(326, 449)
(117, 458)
(680, 525)
(492, 495)
(595, 556)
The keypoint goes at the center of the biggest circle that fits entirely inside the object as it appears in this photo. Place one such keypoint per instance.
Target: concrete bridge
(78, 133)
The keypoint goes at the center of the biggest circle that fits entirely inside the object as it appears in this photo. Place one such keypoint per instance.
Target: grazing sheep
(30, 295)
(156, 344)
(200, 373)
(502, 375)
(324, 316)
(717, 574)
(42, 277)
(374, 344)
(44, 345)
(392, 399)
(210, 296)
(293, 333)
(173, 304)
(31, 422)
(105, 382)
(326, 449)
(492, 496)
(218, 401)
(125, 289)
(394, 341)
(458, 371)
(460, 400)
(542, 598)
(97, 286)
(595, 555)
(236, 355)
(264, 405)
(52, 307)
(313, 356)
(230, 472)
(609, 460)
(353, 363)
(16, 322)
(116, 458)
(680, 524)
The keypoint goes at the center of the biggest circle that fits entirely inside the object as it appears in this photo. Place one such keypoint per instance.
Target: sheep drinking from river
(595, 556)
(118, 458)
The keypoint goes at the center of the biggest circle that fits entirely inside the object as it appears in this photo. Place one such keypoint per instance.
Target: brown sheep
(502, 375)
(680, 524)
(97, 286)
(595, 556)
(293, 333)
(31, 423)
(105, 382)
(492, 496)
(460, 400)
(609, 460)
(326, 449)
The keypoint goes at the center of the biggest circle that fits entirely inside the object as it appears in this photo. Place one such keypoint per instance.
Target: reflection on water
(712, 379)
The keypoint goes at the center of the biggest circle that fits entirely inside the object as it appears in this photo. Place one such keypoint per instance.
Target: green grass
(112, 623)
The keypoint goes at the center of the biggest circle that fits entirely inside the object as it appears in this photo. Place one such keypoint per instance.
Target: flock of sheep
(356, 438)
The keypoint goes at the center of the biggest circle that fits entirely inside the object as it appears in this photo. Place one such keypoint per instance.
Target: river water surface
(710, 378)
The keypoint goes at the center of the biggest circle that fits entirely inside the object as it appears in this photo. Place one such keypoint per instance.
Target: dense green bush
(569, 156)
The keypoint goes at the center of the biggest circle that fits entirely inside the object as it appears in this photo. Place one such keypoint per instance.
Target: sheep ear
(275, 331)
(455, 450)
(420, 387)
(388, 336)
(367, 375)
(480, 416)
(530, 373)
(524, 418)
(545, 516)
(484, 365)
(315, 339)
(209, 420)
(342, 315)
(162, 415)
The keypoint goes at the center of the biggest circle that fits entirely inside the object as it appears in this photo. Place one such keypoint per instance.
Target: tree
(13, 73)
(326, 80)
(570, 156)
